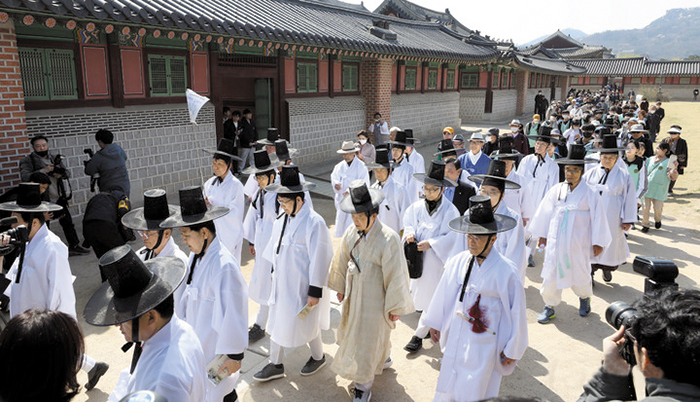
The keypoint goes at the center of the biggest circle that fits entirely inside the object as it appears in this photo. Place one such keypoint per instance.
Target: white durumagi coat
(418, 162)
(403, 174)
(619, 200)
(538, 177)
(394, 205)
(171, 249)
(343, 174)
(171, 364)
(303, 260)
(513, 198)
(257, 230)
(228, 193)
(46, 281)
(572, 222)
(215, 304)
(433, 228)
(471, 368)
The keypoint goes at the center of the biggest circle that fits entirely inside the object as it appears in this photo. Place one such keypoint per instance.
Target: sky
(522, 22)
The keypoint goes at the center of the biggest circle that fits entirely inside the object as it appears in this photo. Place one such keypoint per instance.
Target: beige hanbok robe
(380, 287)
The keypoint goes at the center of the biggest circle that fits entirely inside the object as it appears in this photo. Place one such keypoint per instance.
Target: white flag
(195, 102)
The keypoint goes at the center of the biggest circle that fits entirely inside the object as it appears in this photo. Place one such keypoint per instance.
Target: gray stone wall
(504, 105)
(162, 146)
(471, 105)
(318, 126)
(427, 114)
(670, 92)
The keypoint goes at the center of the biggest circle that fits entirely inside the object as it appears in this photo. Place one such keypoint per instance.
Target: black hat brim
(135, 219)
(425, 179)
(12, 206)
(511, 156)
(280, 189)
(103, 309)
(178, 221)
(375, 165)
(607, 150)
(447, 151)
(537, 137)
(254, 170)
(567, 161)
(478, 178)
(405, 144)
(376, 196)
(501, 223)
(217, 152)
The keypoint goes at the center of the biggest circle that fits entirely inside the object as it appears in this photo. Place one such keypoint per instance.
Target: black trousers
(66, 222)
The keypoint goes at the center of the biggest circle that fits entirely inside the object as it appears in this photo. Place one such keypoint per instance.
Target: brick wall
(13, 131)
(376, 88)
(521, 80)
(163, 148)
(318, 126)
(427, 114)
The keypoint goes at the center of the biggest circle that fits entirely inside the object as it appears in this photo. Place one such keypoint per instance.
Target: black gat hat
(480, 219)
(193, 210)
(435, 176)
(290, 182)
(154, 211)
(29, 200)
(360, 198)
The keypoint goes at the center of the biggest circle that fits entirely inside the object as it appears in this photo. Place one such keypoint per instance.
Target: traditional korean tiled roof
(561, 45)
(558, 66)
(305, 22)
(412, 11)
(581, 53)
(637, 66)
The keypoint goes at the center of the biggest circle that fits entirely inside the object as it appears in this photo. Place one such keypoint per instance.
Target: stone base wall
(427, 114)
(504, 105)
(162, 146)
(471, 105)
(318, 126)
(670, 92)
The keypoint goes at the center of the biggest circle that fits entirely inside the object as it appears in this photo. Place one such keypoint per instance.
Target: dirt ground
(562, 355)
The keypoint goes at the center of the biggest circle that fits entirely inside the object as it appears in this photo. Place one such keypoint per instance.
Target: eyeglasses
(431, 189)
(285, 201)
(145, 234)
(490, 193)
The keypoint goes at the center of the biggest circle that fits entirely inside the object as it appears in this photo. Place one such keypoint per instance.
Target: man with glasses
(475, 161)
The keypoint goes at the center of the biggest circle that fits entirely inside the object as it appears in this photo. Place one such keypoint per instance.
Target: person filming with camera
(41, 160)
(661, 334)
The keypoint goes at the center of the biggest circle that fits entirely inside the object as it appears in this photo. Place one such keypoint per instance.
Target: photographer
(666, 345)
(109, 163)
(41, 161)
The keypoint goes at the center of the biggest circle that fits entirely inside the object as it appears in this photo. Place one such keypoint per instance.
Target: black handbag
(414, 259)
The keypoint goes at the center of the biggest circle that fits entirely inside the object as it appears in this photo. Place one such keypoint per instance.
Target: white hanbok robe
(419, 222)
(215, 304)
(513, 198)
(572, 222)
(46, 281)
(257, 231)
(417, 161)
(304, 258)
(619, 200)
(251, 188)
(537, 185)
(394, 206)
(471, 367)
(343, 174)
(228, 193)
(403, 174)
(171, 249)
(171, 364)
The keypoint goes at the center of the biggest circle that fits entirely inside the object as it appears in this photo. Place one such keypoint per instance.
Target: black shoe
(255, 333)
(95, 374)
(414, 345)
(607, 275)
(657, 225)
(270, 372)
(645, 229)
(77, 250)
(312, 366)
(232, 397)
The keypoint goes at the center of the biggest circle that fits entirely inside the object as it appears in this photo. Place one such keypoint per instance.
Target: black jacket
(249, 133)
(681, 151)
(463, 192)
(607, 387)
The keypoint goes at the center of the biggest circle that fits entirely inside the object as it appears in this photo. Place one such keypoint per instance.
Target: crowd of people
(451, 239)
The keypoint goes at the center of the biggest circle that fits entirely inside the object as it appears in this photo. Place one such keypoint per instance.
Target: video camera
(18, 235)
(660, 274)
(94, 177)
(58, 167)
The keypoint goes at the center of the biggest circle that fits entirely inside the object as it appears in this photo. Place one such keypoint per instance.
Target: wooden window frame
(47, 73)
(505, 75)
(474, 75)
(429, 72)
(414, 70)
(495, 80)
(450, 83)
(306, 62)
(351, 64)
(169, 79)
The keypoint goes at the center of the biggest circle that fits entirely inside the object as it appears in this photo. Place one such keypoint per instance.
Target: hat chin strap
(134, 342)
(488, 242)
(150, 252)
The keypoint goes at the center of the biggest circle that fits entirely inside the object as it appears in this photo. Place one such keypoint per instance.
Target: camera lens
(620, 313)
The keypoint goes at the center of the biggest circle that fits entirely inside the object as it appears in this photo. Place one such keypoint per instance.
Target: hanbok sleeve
(409, 222)
(249, 224)
(445, 240)
(628, 214)
(61, 295)
(230, 315)
(539, 224)
(441, 305)
(643, 181)
(600, 229)
(513, 300)
(398, 299)
(320, 249)
(339, 266)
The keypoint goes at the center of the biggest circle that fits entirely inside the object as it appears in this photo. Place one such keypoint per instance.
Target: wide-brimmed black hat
(480, 219)
(154, 211)
(290, 182)
(283, 152)
(29, 200)
(505, 149)
(495, 171)
(262, 163)
(193, 210)
(446, 148)
(401, 138)
(360, 198)
(609, 145)
(273, 135)
(577, 156)
(544, 135)
(410, 139)
(133, 287)
(435, 176)
(382, 160)
(226, 148)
